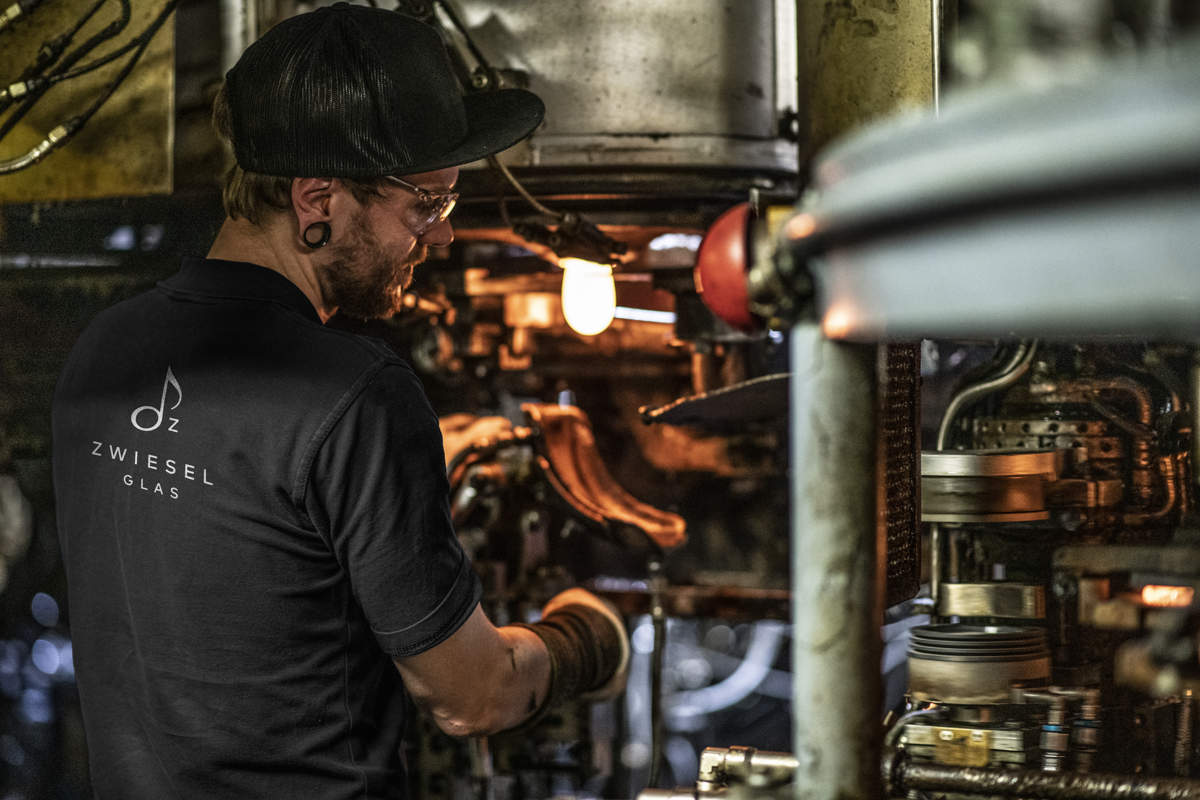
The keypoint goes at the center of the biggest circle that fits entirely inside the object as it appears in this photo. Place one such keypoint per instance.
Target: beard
(364, 279)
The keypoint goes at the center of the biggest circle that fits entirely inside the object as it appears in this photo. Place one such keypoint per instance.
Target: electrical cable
(477, 54)
(107, 32)
(533, 201)
(60, 134)
(581, 238)
(38, 85)
(17, 10)
(52, 49)
(146, 36)
(462, 29)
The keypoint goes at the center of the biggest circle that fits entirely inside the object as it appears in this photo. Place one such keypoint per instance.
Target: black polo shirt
(254, 520)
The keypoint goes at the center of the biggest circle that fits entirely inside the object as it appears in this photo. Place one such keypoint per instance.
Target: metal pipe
(1170, 496)
(1183, 736)
(836, 604)
(658, 619)
(935, 22)
(1009, 374)
(903, 775)
(239, 27)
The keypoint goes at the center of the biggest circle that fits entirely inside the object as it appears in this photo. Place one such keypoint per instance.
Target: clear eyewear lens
(430, 208)
(428, 212)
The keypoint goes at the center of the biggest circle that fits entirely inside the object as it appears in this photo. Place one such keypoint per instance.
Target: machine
(848, 348)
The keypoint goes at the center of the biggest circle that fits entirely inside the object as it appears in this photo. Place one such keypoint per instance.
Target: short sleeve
(377, 489)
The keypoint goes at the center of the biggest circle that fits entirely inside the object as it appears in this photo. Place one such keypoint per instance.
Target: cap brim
(495, 121)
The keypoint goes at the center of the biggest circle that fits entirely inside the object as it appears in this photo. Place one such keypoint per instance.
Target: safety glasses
(430, 209)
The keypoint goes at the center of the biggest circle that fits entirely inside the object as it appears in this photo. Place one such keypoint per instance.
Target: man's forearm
(528, 679)
(485, 679)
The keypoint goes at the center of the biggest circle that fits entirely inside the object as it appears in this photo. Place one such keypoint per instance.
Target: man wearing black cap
(253, 507)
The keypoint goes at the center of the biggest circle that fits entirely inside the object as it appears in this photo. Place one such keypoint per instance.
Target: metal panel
(860, 61)
(126, 148)
(631, 82)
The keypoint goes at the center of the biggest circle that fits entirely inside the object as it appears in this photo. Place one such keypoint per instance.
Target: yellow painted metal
(860, 60)
(126, 148)
(962, 747)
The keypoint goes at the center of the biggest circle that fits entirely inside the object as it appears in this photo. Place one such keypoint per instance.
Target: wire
(53, 139)
(62, 133)
(893, 734)
(495, 163)
(145, 38)
(462, 29)
(51, 49)
(94, 65)
(107, 32)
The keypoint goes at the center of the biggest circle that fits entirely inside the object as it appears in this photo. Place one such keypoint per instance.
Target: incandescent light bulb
(589, 297)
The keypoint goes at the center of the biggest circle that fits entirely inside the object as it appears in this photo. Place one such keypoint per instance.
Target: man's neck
(269, 246)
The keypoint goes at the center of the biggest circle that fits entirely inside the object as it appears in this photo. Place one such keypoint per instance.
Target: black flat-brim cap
(355, 92)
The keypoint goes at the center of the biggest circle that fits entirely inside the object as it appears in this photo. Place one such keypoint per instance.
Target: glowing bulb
(589, 297)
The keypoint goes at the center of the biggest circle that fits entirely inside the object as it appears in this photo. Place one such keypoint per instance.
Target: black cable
(47, 54)
(15, 11)
(51, 49)
(110, 30)
(462, 29)
(62, 133)
(107, 32)
(145, 38)
(94, 65)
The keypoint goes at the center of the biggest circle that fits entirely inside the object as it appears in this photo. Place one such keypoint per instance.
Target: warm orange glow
(589, 296)
(1168, 596)
(838, 322)
(800, 226)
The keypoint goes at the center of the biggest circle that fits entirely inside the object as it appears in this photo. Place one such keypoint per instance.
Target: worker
(252, 506)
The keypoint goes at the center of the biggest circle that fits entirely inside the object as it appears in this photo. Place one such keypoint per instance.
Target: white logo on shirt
(158, 411)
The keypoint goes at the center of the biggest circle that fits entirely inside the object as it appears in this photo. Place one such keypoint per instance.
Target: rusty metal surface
(126, 148)
(903, 775)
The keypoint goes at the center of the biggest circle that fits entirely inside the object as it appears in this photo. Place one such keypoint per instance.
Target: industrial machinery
(947, 388)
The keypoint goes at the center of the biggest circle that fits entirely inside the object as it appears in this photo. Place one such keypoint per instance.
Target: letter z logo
(157, 412)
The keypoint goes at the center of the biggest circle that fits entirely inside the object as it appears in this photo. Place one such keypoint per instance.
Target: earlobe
(316, 235)
(311, 203)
